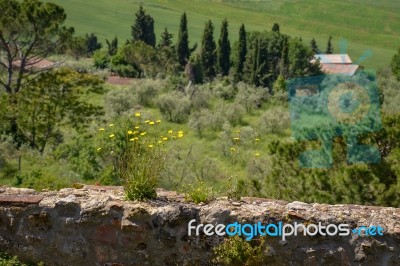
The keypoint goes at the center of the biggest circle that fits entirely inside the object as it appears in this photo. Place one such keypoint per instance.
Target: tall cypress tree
(275, 28)
(208, 51)
(314, 46)
(182, 46)
(284, 61)
(329, 47)
(224, 50)
(242, 52)
(143, 28)
(166, 39)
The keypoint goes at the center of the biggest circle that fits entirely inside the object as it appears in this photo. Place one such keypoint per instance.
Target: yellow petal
(112, 135)
(137, 114)
(130, 132)
(101, 129)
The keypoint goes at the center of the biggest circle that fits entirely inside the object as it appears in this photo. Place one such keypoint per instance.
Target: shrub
(226, 92)
(237, 251)
(199, 192)
(174, 107)
(147, 92)
(101, 59)
(232, 112)
(9, 260)
(275, 121)
(236, 189)
(205, 119)
(139, 168)
(38, 180)
(119, 101)
(136, 152)
(250, 97)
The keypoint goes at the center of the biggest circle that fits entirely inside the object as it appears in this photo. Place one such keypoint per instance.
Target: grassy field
(366, 24)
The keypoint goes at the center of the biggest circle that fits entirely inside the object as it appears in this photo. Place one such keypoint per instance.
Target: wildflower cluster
(240, 157)
(136, 151)
(236, 143)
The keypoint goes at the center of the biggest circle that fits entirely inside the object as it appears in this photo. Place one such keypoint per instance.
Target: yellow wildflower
(158, 121)
(101, 129)
(132, 139)
(233, 149)
(137, 127)
(165, 139)
(151, 123)
(147, 121)
(237, 139)
(143, 133)
(112, 135)
(160, 141)
(130, 132)
(111, 125)
(257, 139)
(257, 154)
(151, 146)
(180, 135)
(137, 114)
(170, 131)
(135, 132)
(98, 149)
(136, 138)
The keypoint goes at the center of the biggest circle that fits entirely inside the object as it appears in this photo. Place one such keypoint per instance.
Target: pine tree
(143, 28)
(183, 42)
(275, 28)
(224, 50)
(314, 46)
(92, 44)
(329, 47)
(166, 39)
(242, 52)
(208, 51)
(112, 46)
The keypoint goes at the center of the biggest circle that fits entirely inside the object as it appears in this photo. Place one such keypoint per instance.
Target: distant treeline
(257, 58)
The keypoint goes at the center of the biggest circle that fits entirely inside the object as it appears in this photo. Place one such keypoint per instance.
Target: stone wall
(95, 226)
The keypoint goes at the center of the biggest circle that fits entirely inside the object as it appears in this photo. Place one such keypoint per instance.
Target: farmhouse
(337, 64)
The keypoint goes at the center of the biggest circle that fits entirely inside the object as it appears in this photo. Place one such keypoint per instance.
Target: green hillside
(365, 24)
